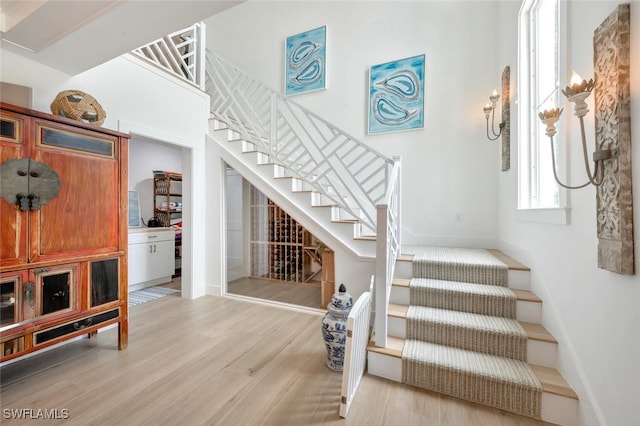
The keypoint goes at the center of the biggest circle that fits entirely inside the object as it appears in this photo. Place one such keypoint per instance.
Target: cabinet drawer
(71, 327)
(13, 346)
(152, 236)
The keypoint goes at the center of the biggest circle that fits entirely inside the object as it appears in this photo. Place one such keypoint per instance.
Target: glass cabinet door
(10, 298)
(104, 281)
(55, 289)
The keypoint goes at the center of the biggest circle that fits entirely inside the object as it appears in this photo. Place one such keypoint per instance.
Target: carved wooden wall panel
(613, 131)
(506, 119)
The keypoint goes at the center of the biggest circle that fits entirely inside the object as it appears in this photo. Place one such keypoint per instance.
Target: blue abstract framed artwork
(396, 95)
(306, 61)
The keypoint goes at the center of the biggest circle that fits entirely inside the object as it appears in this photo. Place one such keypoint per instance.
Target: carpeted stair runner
(465, 297)
(462, 338)
(481, 333)
(498, 382)
(457, 264)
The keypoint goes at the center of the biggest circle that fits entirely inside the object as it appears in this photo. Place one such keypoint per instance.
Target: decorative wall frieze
(612, 90)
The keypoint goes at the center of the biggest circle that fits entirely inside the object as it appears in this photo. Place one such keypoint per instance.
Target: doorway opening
(149, 158)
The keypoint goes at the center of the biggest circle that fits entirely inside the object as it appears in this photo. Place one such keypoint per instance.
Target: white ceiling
(75, 35)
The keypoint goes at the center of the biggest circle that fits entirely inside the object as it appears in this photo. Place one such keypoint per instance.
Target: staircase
(301, 161)
(450, 330)
(473, 338)
(320, 214)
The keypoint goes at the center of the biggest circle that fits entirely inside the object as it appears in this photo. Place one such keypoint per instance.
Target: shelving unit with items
(167, 197)
(167, 207)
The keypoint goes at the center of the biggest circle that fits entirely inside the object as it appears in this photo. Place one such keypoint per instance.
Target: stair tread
(551, 380)
(396, 310)
(534, 331)
(537, 332)
(526, 295)
(394, 347)
(469, 287)
(508, 260)
(365, 238)
(401, 282)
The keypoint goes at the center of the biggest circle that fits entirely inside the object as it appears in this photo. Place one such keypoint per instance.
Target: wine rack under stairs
(281, 248)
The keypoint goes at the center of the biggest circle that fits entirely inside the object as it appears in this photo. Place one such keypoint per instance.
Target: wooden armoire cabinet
(63, 232)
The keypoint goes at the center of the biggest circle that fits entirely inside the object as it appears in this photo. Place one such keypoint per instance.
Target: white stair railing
(387, 250)
(181, 53)
(348, 172)
(363, 182)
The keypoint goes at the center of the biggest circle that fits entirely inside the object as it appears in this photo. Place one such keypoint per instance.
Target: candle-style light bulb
(576, 80)
(579, 90)
(494, 98)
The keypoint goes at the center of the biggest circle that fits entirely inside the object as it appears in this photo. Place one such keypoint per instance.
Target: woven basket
(79, 106)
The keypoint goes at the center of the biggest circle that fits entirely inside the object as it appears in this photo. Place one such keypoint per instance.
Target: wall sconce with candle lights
(577, 94)
(612, 175)
(504, 127)
(490, 110)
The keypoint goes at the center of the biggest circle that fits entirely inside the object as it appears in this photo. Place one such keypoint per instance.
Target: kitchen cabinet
(151, 257)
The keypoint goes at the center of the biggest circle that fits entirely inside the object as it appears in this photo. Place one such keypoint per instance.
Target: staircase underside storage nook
(463, 323)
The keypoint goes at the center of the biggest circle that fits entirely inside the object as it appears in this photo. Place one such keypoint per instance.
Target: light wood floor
(217, 361)
(278, 291)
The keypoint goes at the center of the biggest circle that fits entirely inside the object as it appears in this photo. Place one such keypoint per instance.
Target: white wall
(140, 100)
(449, 166)
(593, 313)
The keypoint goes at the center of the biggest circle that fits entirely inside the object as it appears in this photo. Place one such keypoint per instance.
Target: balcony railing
(181, 54)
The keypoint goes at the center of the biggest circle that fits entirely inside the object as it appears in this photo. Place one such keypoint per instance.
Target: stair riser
(538, 352)
(386, 366)
(338, 214)
(559, 409)
(542, 353)
(216, 125)
(529, 311)
(525, 310)
(519, 279)
(555, 408)
(404, 269)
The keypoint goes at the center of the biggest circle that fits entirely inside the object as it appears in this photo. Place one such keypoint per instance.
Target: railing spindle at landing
(387, 250)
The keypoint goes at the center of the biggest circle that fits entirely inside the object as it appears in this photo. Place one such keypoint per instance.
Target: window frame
(529, 142)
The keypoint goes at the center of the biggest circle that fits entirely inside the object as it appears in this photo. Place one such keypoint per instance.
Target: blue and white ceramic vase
(334, 328)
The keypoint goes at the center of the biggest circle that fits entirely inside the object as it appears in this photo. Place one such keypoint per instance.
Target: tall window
(539, 71)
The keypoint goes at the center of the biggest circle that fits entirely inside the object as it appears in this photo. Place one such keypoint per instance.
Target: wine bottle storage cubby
(281, 248)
